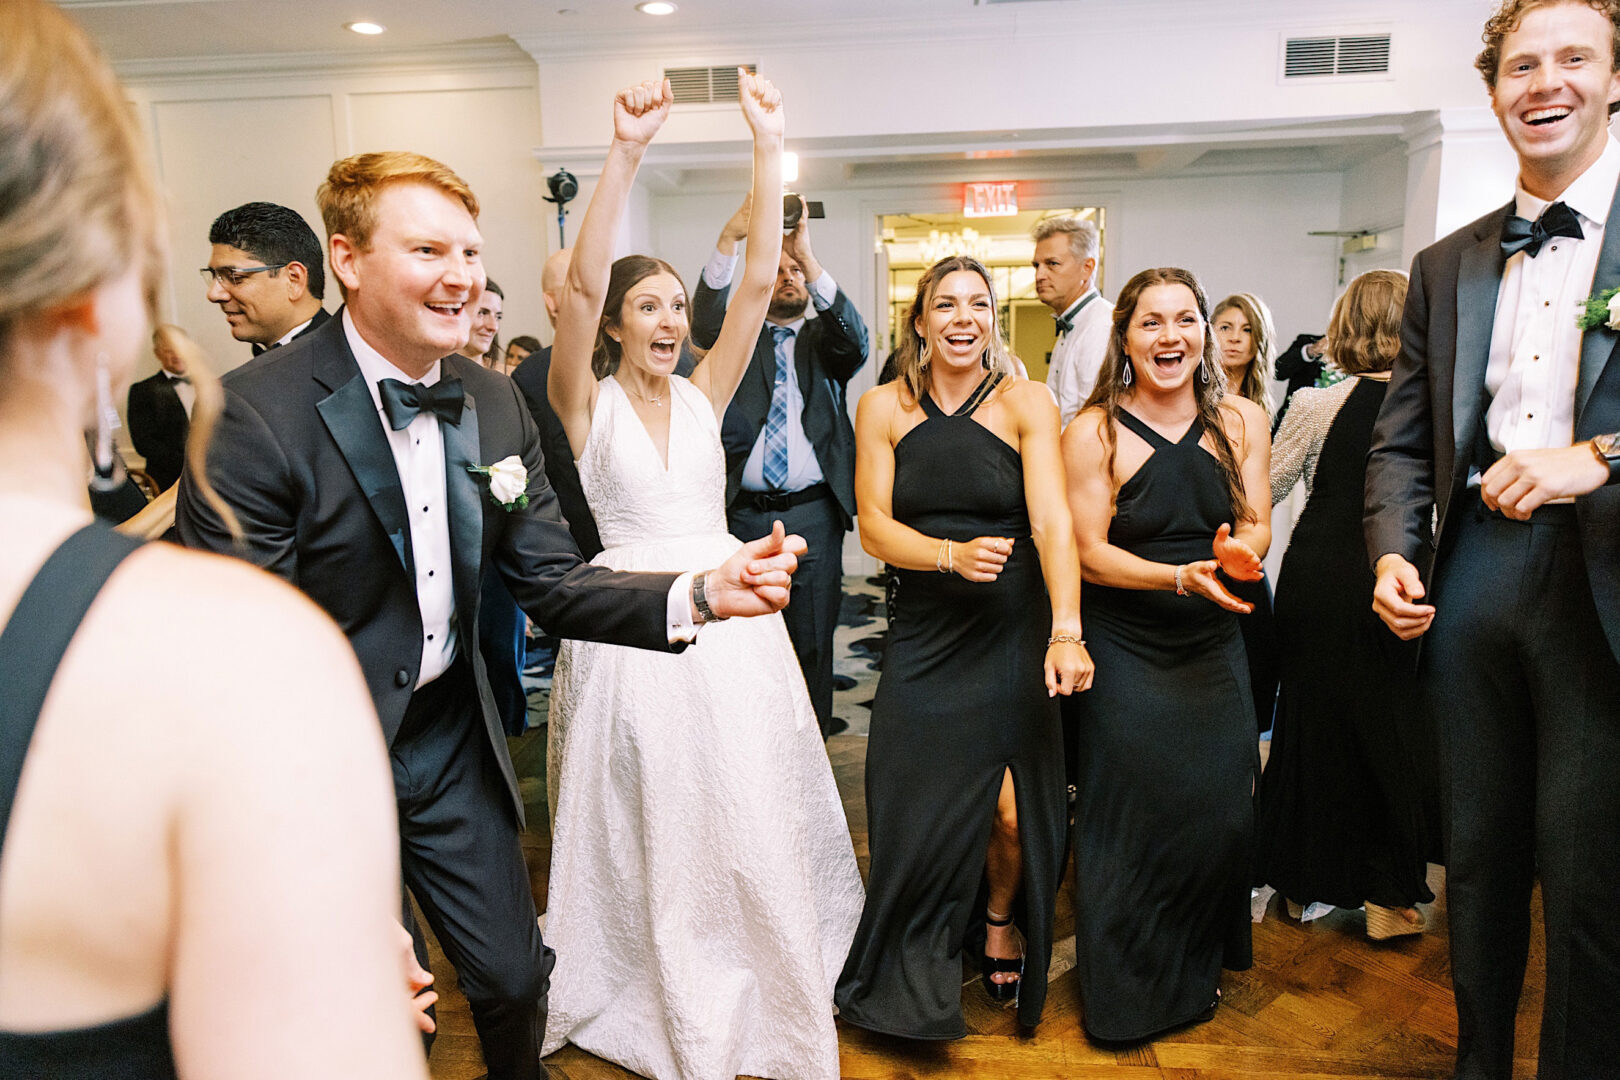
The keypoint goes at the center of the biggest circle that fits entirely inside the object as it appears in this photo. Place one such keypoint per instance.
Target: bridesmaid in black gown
(1246, 339)
(1348, 805)
(958, 478)
(1167, 478)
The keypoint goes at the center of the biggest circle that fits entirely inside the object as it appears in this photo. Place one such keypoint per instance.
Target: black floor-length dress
(1342, 802)
(962, 699)
(1164, 820)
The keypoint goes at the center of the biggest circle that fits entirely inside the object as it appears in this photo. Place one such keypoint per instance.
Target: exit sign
(990, 200)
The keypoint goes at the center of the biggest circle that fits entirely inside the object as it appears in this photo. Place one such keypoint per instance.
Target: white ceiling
(153, 29)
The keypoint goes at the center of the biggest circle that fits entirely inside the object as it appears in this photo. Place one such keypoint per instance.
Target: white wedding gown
(704, 890)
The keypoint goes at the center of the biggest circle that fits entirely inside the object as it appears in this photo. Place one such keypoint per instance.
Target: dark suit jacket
(829, 351)
(301, 457)
(158, 426)
(1424, 443)
(531, 376)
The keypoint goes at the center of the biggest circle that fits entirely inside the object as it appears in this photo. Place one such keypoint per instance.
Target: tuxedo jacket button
(402, 678)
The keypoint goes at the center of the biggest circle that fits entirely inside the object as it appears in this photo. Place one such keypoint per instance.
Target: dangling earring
(1203, 371)
(104, 478)
(1126, 377)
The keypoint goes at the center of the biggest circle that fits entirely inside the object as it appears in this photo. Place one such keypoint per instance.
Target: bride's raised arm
(638, 113)
(719, 372)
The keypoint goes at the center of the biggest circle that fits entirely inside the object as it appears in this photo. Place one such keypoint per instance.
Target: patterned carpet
(857, 657)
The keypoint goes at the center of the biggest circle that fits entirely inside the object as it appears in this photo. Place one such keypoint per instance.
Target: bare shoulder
(1032, 400)
(883, 396)
(1243, 417)
(247, 643)
(1086, 427)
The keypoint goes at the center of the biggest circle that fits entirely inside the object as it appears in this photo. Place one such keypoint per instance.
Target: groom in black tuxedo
(347, 459)
(1500, 422)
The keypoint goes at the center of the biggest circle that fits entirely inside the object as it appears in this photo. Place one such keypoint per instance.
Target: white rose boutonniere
(1600, 309)
(508, 482)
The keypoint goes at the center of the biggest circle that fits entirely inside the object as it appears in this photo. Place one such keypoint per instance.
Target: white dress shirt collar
(375, 367)
(1589, 194)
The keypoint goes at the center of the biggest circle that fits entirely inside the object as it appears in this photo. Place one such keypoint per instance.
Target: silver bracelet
(1180, 589)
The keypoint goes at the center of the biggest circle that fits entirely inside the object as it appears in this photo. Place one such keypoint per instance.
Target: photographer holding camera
(790, 450)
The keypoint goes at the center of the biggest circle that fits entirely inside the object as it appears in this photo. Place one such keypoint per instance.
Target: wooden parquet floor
(1320, 1003)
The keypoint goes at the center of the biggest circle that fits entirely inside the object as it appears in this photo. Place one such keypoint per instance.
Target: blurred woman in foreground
(179, 844)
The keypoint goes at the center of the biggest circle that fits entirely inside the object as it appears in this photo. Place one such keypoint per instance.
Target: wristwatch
(700, 600)
(1607, 449)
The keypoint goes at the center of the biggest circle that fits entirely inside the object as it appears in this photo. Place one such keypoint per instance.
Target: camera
(563, 186)
(794, 205)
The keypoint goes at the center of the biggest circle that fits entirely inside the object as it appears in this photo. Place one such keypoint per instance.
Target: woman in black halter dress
(194, 800)
(958, 479)
(1165, 473)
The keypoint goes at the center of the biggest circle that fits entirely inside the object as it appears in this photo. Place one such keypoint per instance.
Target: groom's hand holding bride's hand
(755, 580)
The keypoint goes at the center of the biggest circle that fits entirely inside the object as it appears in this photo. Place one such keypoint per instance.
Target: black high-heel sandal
(1001, 992)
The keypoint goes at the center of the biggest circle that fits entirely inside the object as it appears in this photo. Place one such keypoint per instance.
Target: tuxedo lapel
(350, 414)
(1479, 280)
(1598, 343)
(466, 494)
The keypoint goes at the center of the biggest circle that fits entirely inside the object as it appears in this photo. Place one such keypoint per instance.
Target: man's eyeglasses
(231, 276)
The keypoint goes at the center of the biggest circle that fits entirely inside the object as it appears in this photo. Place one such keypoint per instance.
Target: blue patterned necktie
(776, 448)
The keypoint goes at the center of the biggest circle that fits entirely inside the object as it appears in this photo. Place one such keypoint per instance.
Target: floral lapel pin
(1600, 309)
(508, 482)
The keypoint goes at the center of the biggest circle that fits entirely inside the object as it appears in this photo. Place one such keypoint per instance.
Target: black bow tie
(1065, 323)
(179, 379)
(403, 402)
(1528, 236)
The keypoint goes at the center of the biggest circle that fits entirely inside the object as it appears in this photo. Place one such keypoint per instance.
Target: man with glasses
(266, 274)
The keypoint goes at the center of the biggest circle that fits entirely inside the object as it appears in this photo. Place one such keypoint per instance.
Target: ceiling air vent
(1316, 57)
(705, 85)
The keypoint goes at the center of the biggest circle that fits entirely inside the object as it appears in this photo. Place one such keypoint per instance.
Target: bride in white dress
(704, 890)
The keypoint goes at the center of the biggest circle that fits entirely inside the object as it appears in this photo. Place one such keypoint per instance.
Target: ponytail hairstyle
(626, 274)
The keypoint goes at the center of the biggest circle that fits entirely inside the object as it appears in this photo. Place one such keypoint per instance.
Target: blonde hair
(1364, 334)
(1256, 381)
(78, 202)
(911, 355)
(347, 198)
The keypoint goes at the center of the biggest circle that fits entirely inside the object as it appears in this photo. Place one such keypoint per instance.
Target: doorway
(910, 243)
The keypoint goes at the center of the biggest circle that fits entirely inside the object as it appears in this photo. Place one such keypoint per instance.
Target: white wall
(1239, 234)
(222, 140)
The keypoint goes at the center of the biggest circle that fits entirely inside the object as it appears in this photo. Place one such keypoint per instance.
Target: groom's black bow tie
(402, 402)
(1528, 236)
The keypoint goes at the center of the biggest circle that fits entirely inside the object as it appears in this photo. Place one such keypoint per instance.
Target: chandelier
(945, 245)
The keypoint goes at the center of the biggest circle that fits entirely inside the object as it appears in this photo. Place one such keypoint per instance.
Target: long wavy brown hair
(1209, 385)
(911, 355)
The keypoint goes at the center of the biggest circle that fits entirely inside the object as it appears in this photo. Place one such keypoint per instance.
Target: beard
(786, 310)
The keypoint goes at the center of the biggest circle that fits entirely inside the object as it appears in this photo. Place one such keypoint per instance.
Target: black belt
(774, 502)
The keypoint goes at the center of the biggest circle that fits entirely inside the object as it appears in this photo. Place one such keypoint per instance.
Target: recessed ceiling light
(656, 7)
(365, 27)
